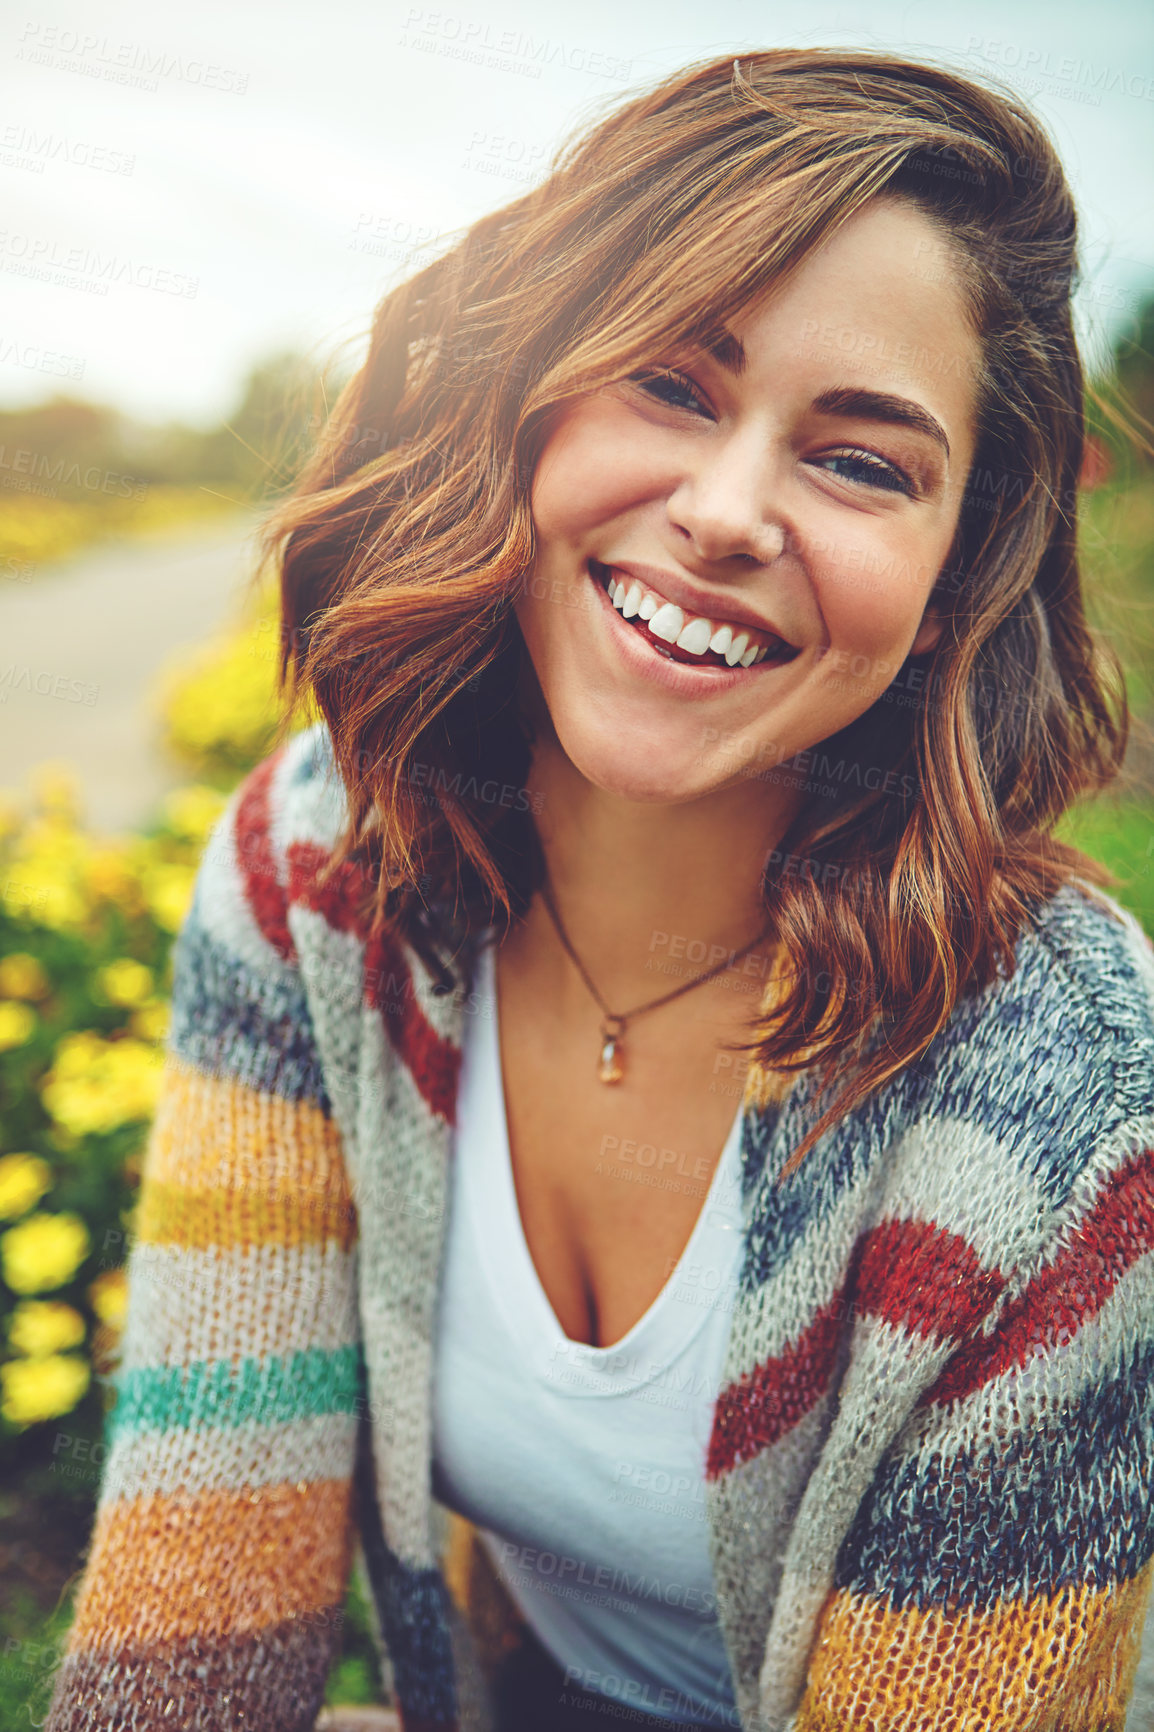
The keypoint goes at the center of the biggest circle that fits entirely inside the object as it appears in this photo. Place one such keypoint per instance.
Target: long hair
(408, 536)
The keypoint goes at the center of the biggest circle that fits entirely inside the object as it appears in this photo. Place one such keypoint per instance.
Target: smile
(687, 638)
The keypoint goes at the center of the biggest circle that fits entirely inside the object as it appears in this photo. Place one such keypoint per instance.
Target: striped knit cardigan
(930, 1484)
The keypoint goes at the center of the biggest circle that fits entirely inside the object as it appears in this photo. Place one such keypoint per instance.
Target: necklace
(611, 1063)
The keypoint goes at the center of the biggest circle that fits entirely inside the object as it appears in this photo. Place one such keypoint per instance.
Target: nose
(724, 504)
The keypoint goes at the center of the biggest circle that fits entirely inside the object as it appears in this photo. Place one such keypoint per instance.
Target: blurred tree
(1134, 364)
(68, 448)
(1120, 410)
(261, 445)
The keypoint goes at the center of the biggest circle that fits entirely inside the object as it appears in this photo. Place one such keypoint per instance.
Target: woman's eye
(863, 466)
(671, 387)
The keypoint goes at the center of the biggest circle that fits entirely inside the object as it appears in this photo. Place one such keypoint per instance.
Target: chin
(643, 772)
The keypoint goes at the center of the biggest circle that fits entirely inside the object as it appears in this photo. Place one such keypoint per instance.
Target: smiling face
(802, 484)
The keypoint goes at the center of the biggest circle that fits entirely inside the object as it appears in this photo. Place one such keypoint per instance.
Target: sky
(186, 190)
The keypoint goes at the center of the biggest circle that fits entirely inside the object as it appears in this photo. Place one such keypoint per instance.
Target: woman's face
(808, 493)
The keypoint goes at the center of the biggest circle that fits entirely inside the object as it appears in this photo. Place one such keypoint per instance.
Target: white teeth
(691, 632)
(695, 637)
(667, 622)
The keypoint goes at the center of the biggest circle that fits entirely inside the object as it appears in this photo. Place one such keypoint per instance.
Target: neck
(649, 894)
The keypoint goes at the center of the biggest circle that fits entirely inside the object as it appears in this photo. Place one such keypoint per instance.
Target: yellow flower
(125, 981)
(39, 1327)
(45, 880)
(23, 976)
(95, 1084)
(17, 1024)
(36, 1389)
(151, 1020)
(57, 789)
(169, 892)
(23, 1181)
(108, 1296)
(110, 878)
(191, 812)
(43, 1252)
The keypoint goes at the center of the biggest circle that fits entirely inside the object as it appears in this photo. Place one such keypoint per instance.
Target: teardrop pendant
(611, 1068)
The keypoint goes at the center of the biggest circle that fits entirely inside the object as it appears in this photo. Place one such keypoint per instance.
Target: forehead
(880, 304)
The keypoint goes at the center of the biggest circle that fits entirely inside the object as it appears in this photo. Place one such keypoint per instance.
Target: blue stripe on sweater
(231, 1020)
(1048, 1110)
(413, 1606)
(1061, 1503)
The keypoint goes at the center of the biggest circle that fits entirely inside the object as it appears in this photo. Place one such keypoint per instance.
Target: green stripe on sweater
(216, 1392)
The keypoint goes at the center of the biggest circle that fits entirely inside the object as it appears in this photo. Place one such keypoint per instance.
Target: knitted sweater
(930, 1482)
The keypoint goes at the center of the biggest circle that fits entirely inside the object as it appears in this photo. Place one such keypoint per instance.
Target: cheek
(589, 473)
(873, 591)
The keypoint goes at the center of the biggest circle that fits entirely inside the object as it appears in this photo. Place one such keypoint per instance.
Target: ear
(929, 632)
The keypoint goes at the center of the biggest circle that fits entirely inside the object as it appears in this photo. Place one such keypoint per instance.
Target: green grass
(1120, 834)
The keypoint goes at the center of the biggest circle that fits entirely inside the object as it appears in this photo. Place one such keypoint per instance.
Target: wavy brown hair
(407, 537)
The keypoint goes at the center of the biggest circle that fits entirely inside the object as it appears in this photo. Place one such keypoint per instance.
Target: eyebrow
(882, 406)
(850, 401)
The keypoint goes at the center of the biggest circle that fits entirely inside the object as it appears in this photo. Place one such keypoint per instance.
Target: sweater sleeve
(999, 1569)
(218, 1563)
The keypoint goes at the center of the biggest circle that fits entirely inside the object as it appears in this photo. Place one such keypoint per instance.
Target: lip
(692, 600)
(679, 678)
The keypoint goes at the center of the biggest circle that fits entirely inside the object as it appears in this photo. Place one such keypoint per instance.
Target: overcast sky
(187, 188)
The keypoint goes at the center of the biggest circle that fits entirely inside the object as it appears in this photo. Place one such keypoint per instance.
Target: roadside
(79, 654)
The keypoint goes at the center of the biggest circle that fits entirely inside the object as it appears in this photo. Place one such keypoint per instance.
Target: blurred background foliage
(75, 472)
(87, 924)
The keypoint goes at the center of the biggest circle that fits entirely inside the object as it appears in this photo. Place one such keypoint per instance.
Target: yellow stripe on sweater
(164, 1569)
(1054, 1663)
(228, 1166)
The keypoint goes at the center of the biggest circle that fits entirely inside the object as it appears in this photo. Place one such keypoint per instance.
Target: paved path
(80, 647)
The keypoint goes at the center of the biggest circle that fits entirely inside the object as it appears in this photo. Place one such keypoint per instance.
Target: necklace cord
(623, 1017)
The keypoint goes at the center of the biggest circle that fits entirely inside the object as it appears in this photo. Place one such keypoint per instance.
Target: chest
(610, 1179)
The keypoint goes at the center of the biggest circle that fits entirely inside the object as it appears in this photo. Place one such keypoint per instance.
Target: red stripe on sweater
(433, 1062)
(910, 1273)
(1057, 1303)
(757, 1411)
(337, 898)
(920, 1277)
(263, 892)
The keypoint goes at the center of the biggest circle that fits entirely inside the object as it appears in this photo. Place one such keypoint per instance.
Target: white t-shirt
(582, 1466)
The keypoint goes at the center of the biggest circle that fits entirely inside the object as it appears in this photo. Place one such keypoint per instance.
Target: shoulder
(275, 834)
(1088, 949)
(239, 1002)
(1045, 1079)
(1080, 1000)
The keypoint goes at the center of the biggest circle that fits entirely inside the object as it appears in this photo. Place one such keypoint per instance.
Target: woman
(656, 1144)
